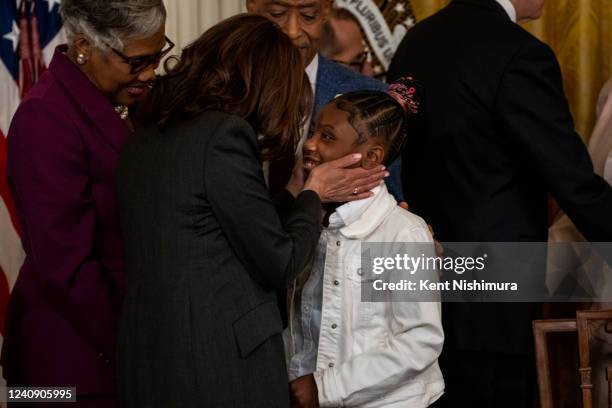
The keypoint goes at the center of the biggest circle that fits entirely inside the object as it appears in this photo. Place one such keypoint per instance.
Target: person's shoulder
(476, 18)
(402, 225)
(47, 95)
(48, 87)
(529, 47)
(522, 36)
(209, 117)
(42, 112)
(213, 122)
(226, 122)
(44, 129)
(407, 220)
(225, 129)
(345, 79)
(357, 81)
(208, 128)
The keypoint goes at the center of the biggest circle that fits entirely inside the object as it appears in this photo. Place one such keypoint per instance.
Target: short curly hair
(112, 22)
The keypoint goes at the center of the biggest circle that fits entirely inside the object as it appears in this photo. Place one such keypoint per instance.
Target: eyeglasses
(357, 62)
(139, 64)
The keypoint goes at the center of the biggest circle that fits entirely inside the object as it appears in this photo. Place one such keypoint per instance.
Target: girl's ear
(373, 157)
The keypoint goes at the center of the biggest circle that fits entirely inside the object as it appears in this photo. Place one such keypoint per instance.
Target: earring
(81, 59)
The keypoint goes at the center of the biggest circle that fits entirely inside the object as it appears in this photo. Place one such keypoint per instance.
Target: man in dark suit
(496, 137)
(303, 21)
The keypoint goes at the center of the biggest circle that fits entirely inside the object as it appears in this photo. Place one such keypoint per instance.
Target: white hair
(112, 22)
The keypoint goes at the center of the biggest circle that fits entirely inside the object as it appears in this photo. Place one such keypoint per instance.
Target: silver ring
(355, 191)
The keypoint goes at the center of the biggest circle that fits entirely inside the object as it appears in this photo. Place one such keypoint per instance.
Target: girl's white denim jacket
(370, 354)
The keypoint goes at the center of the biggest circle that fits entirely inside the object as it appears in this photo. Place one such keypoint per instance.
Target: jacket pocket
(354, 271)
(256, 326)
(358, 290)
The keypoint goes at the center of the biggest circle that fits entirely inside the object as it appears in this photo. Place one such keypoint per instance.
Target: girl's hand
(304, 392)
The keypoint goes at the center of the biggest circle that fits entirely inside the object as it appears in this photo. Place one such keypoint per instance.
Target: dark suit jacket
(63, 146)
(334, 79)
(206, 250)
(496, 138)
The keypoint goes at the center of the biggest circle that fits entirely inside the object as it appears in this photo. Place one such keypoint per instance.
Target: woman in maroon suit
(63, 146)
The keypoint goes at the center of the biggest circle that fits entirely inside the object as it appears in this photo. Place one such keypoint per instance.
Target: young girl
(342, 352)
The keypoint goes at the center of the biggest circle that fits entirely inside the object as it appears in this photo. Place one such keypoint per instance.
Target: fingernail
(382, 168)
(357, 156)
(387, 174)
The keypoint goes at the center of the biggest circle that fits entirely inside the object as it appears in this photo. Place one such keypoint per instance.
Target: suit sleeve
(534, 111)
(283, 202)
(51, 184)
(414, 346)
(272, 253)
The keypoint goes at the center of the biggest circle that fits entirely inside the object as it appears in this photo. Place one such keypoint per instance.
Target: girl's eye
(327, 136)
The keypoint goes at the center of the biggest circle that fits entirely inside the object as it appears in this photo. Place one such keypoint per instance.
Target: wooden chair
(609, 378)
(541, 328)
(584, 319)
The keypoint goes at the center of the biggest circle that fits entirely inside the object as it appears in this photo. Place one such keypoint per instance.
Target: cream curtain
(580, 34)
(425, 8)
(187, 19)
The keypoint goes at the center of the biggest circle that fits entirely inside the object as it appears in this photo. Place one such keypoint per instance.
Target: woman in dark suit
(205, 245)
(63, 146)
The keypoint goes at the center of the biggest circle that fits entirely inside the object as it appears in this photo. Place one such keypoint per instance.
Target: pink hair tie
(405, 91)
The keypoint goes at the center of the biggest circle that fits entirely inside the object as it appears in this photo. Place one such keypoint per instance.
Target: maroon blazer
(63, 146)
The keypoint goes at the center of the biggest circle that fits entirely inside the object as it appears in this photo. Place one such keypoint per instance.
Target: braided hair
(381, 115)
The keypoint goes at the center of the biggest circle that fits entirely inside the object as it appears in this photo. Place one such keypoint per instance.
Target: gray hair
(112, 22)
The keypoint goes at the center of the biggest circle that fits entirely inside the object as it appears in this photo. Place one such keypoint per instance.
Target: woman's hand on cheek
(334, 182)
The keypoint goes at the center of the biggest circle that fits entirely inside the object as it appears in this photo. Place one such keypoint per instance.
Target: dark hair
(380, 115)
(245, 66)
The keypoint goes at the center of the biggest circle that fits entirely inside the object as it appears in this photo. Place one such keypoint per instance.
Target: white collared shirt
(510, 10)
(311, 72)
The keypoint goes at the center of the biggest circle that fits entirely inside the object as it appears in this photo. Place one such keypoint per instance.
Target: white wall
(187, 19)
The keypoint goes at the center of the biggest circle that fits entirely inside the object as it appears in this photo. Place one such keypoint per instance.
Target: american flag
(29, 32)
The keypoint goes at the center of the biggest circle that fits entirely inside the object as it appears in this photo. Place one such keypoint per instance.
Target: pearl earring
(81, 59)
